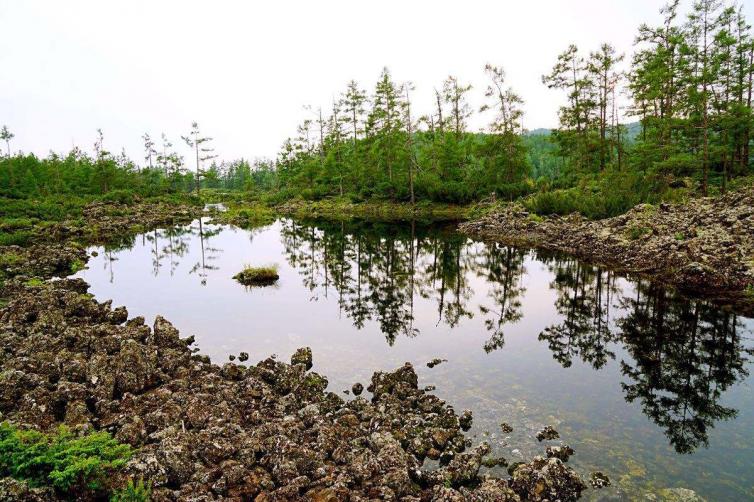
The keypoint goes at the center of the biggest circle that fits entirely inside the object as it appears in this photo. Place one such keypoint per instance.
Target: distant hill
(633, 130)
(541, 131)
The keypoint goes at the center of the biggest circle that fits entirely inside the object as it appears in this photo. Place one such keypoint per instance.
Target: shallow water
(648, 387)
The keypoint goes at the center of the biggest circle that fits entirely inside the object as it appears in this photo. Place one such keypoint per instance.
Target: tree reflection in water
(686, 354)
(683, 353)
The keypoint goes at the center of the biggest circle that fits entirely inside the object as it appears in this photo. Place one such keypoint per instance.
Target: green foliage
(62, 460)
(133, 492)
(636, 232)
(121, 196)
(18, 238)
(10, 259)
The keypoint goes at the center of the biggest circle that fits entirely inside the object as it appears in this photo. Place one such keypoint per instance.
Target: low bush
(17, 238)
(70, 464)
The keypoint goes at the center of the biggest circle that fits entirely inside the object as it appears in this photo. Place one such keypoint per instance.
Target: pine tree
(454, 95)
(149, 150)
(6, 136)
(203, 153)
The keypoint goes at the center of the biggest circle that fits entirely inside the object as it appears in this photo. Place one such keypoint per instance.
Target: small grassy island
(258, 276)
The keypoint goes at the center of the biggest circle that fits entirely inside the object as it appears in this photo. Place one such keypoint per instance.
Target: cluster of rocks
(269, 431)
(704, 245)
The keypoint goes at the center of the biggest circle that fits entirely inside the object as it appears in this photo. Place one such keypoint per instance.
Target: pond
(647, 386)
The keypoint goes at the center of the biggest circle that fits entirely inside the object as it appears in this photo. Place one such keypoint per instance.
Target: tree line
(678, 116)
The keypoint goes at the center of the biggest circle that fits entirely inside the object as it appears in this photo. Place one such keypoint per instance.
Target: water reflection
(584, 303)
(686, 354)
(676, 357)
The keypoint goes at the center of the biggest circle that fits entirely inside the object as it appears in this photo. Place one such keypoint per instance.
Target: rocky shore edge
(201, 431)
(704, 246)
(264, 432)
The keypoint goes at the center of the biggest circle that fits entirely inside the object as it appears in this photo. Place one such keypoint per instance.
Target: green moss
(10, 259)
(257, 276)
(34, 281)
(749, 291)
(636, 232)
(70, 464)
(76, 265)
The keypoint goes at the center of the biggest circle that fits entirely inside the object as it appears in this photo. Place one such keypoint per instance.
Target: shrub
(18, 238)
(120, 196)
(68, 463)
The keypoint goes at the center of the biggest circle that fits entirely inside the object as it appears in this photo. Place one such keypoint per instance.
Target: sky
(244, 70)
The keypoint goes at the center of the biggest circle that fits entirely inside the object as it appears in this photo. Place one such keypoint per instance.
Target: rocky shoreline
(704, 247)
(269, 431)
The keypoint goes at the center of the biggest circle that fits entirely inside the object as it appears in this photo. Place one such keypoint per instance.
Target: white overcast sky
(244, 69)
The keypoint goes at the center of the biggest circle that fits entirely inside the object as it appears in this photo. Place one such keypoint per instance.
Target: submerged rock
(548, 433)
(599, 480)
(506, 428)
(562, 452)
(434, 362)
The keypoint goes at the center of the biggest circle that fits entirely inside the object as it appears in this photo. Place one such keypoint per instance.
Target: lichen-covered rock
(546, 479)
(562, 452)
(303, 356)
(466, 419)
(19, 491)
(547, 433)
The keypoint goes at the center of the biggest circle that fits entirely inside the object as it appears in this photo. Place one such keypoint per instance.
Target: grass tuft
(257, 276)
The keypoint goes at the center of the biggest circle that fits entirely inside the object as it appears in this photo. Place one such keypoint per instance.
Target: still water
(648, 387)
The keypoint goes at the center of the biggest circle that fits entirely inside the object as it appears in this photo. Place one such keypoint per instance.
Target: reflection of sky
(519, 383)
